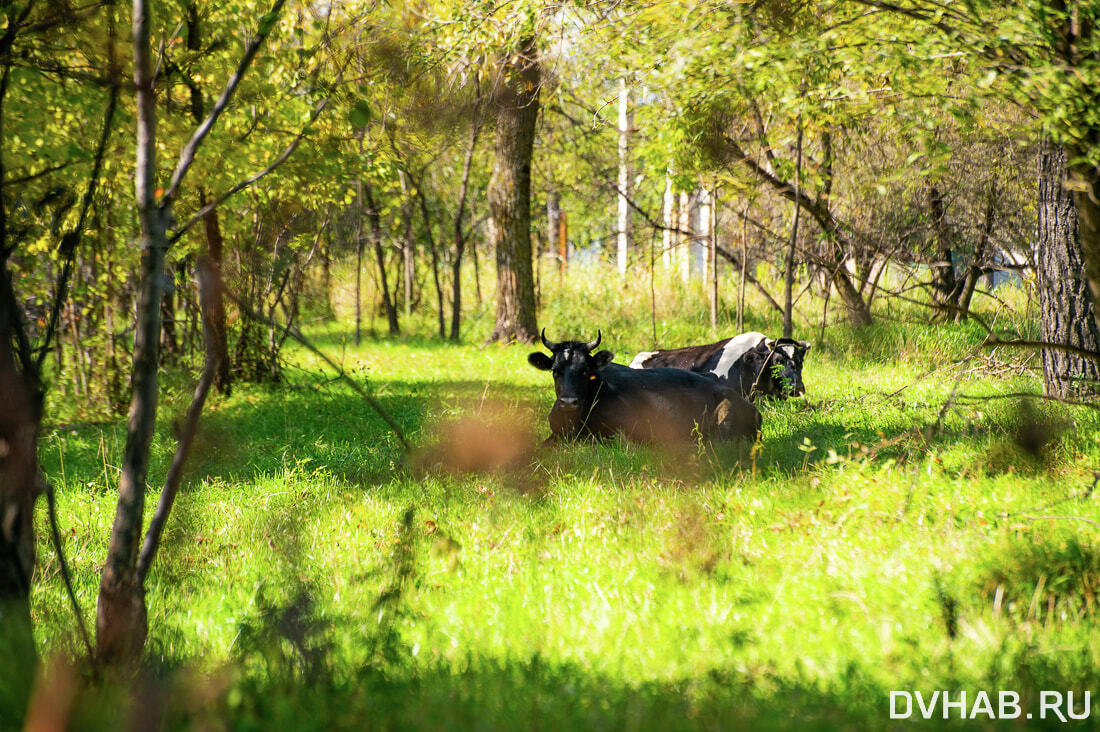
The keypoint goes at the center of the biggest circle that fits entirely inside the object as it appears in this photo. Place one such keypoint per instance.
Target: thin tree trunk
(859, 312)
(553, 222)
(788, 274)
(213, 316)
(459, 233)
(744, 273)
(669, 220)
(408, 247)
(121, 622)
(516, 105)
(712, 255)
(359, 262)
(1066, 306)
(685, 235)
(477, 273)
(626, 123)
(974, 271)
(563, 242)
(747, 276)
(374, 218)
(426, 216)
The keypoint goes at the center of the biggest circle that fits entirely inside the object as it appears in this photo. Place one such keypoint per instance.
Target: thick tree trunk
(516, 107)
(944, 284)
(1065, 302)
(859, 312)
(1086, 195)
(21, 398)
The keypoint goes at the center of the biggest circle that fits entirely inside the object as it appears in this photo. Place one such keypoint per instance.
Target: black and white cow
(597, 398)
(755, 363)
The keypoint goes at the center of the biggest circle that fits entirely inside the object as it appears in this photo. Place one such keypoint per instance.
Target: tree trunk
(121, 623)
(1086, 195)
(19, 488)
(859, 312)
(425, 214)
(974, 271)
(1064, 299)
(169, 341)
(213, 314)
(626, 122)
(516, 106)
(944, 284)
(359, 265)
(553, 223)
(685, 235)
(788, 269)
(669, 220)
(712, 257)
(374, 218)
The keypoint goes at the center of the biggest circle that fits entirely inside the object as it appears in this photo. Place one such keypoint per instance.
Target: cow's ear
(540, 360)
(602, 358)
(753, 356)
(804, 345)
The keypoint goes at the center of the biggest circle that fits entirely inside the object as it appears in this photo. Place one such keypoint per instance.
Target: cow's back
(717, 358)
(668, 405)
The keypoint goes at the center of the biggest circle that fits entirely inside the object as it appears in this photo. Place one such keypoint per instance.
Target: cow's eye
(592, 377)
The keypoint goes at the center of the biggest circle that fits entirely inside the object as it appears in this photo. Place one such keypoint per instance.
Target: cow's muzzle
(568, 402)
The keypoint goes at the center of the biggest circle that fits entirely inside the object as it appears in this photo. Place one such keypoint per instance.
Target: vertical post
(744, 271)
(701, 242)
(626, 122)
(684, 235)
(668, 220)
(563, 240)
(553, 221)
(714, 260)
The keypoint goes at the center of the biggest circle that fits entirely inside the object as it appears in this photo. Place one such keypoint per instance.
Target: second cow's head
(776, 367)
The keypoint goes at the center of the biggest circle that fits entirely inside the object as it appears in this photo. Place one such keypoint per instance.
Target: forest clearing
(680, 364)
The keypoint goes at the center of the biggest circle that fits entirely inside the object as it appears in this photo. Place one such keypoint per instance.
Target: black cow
(597, 398)
(755, 363)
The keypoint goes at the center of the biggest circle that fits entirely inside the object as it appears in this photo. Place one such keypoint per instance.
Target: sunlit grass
(858, 548)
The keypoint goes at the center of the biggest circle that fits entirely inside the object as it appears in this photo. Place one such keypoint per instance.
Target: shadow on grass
(270, 430)
(534, 693)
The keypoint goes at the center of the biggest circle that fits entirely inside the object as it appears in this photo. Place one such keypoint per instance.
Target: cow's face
(777, 367)
(574, 367)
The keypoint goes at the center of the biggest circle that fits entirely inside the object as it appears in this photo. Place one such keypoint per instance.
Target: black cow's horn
(593, 344)
(550, 345)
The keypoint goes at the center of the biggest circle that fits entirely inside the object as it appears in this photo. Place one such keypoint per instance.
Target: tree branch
(251, 179)
(187, 155)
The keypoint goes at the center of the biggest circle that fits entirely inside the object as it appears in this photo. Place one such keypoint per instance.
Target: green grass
(857, 549)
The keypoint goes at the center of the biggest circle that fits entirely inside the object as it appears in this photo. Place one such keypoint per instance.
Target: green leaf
(360, 114)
